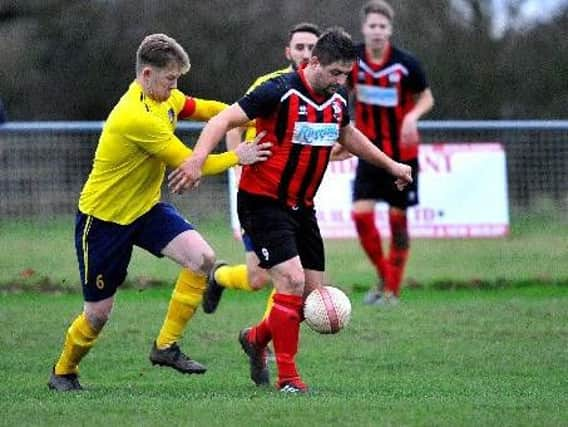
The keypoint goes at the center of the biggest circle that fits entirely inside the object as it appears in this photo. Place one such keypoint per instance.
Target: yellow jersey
(136, 145)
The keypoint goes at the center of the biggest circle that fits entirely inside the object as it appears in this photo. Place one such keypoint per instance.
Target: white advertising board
(462, 187)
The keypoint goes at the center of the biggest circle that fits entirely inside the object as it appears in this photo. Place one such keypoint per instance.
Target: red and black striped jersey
(303, 126)
(383, 94)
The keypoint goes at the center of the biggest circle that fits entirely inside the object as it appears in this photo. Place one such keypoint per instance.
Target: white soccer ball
(327, 310)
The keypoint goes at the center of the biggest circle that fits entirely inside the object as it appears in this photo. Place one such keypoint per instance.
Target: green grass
(34, 251)
(441, 358)
(491, 349)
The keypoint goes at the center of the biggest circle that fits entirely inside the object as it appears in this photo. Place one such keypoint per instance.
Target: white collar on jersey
(311, 101)
(376, 74)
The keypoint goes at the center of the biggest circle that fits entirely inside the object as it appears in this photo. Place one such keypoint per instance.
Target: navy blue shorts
(104, 248)
(373, 183)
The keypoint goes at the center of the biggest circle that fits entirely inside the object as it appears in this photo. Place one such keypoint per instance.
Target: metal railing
(43, 165)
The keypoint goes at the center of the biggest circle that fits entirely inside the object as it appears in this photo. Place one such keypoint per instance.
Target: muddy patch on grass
(29, 281)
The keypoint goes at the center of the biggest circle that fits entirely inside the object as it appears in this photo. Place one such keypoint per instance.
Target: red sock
(284, 322)
(370, 239)
(260, 334)
(399, 250)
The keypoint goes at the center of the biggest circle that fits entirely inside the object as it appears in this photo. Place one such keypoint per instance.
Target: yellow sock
(269, 304)
(233, 277)
(79, 339)
(186, 297)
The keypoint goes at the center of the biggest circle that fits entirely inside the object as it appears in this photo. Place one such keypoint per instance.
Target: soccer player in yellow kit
(120, 207)
(250, 277)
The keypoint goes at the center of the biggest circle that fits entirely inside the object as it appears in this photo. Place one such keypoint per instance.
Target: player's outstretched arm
(176, 152)
(358, 144)
(188, 174)
(245, 153)
(216, 128)
(233, 138)
(254, 151)
(205, 109)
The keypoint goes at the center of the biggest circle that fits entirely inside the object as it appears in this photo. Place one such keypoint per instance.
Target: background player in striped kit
(390, 94)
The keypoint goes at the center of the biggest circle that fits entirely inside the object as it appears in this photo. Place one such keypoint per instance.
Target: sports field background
(479, 339)
(40, 253)
(481, 335)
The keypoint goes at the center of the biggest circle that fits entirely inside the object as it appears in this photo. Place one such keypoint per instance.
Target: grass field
(441, 358)
(536, 249)
(480, 339)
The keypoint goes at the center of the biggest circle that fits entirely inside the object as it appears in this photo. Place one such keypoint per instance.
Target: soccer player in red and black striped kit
(390, 94)
(304, 113)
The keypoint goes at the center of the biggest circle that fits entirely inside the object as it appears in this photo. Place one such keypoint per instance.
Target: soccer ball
(327, 310)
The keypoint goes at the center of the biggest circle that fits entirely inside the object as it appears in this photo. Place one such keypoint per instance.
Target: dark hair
(304, 27)
(334, 45)
(377, 6)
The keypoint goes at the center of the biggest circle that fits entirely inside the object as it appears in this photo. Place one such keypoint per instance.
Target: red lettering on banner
(436, 162)
(437, 217)
(424, 214)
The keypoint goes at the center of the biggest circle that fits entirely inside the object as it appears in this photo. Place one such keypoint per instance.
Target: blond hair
(160, 50)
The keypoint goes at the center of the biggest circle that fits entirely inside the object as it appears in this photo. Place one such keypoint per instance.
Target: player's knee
(97, 318)
(292, 282)
(207, 261)
(98, 313)
(201, 262)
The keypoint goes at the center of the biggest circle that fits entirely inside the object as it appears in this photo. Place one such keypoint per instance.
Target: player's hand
(253, 151)
(186, 176)
(409, 131)
(403, 174)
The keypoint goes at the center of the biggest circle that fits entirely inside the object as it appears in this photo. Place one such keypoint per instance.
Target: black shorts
(279, 233)
(373, 183)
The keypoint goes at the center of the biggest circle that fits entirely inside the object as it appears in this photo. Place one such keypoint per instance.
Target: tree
(71, 60)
